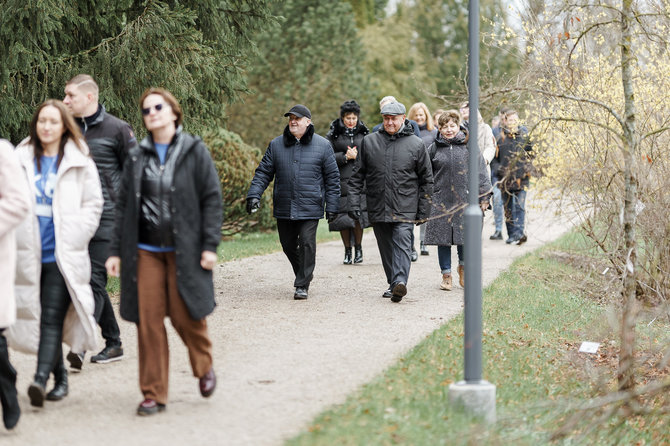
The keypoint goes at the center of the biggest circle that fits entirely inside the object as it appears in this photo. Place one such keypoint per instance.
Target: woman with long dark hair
(53, 266)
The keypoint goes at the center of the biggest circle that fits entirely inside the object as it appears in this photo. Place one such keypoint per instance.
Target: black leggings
(55, 301)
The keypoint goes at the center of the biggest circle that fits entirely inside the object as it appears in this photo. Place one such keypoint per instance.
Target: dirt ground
(279, 362)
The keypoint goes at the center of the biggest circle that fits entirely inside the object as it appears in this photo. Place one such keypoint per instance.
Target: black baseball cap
(300, 111)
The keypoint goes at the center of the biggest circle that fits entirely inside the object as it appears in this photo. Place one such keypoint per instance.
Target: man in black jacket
(512, 166)
(306, 178)
(109, 139)
(395, 167)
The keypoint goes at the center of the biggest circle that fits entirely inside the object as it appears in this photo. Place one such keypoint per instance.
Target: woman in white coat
(53, 268)
(14, 205)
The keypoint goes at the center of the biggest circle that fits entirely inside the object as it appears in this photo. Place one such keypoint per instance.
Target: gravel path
(279, 362)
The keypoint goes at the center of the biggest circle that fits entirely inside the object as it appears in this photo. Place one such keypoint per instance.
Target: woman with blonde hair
(420, 113)
(53, 267)
(168, 225)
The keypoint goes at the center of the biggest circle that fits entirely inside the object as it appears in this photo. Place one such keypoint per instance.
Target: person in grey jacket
(449, 156)
(306, 179)
(395, 166)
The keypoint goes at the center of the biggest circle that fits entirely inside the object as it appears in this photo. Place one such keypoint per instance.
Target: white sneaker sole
(106, 361)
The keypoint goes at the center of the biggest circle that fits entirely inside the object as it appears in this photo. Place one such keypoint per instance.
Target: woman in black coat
(449, 158)
(168, 225)
(345, 135)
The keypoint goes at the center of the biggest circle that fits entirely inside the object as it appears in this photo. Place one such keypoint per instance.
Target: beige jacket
(14, 206)
(486, 141)
(77, 205)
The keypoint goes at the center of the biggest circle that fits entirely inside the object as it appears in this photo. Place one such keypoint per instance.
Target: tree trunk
(626, 374)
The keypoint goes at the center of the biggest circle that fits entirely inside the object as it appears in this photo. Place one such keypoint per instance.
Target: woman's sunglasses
(158, 107)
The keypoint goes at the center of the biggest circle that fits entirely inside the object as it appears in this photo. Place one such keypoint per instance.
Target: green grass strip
(529, 319)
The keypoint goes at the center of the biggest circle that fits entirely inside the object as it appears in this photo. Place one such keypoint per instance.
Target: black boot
(37, 391)
(347, 256)
(358, 258)
(60, 389)
(49, 355)
(11, 412)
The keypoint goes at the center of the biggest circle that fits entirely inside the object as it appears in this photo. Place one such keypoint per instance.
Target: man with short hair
(306, 179)
(387, 100)
(109, 139)
(417, 131)
(512, 167)
(395, 169)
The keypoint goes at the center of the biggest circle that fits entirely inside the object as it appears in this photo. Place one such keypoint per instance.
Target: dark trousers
(515, 212)
(298, 240)
(10, 404)
(394, 241)
(98, 250)
(55, 301)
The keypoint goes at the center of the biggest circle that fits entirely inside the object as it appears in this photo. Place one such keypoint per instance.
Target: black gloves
(355, 214)
(252, 205)
(330, 216)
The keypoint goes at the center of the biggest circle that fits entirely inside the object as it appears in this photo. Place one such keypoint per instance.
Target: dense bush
(235, 162)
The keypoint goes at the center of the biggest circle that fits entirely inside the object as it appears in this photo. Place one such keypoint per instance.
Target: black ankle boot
(347, 256)
(37, 391)
(60, 389)
(11, 411)
(358, 258)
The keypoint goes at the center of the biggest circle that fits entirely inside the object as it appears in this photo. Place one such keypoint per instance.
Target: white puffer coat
(77, 205)
(14, 206)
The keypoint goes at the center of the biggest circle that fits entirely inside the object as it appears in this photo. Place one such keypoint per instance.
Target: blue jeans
(444, 257)
(515, 213)
(497, 204)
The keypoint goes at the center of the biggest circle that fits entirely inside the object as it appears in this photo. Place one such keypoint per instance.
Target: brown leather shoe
(461, 275)
(208, 384)
(446, 282)
(150, 407)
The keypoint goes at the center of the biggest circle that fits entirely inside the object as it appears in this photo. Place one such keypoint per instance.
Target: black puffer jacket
(512, 165)
(341, 138)
(196, 212)
(305, 174)
(109, 139)
(398, 174)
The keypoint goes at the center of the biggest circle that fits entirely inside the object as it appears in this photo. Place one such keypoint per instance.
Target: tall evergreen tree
(195, 48)
(313, 57)
(393, 63)
(364, 11)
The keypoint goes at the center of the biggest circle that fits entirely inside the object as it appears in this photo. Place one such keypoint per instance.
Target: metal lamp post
(474, 394)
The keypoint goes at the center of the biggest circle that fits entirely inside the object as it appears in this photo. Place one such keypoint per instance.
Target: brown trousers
(159, 297)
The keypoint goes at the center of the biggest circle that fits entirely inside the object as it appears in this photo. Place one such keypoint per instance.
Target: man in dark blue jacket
(306, 178)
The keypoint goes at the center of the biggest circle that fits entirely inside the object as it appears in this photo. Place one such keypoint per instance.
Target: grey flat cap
(393, 108)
